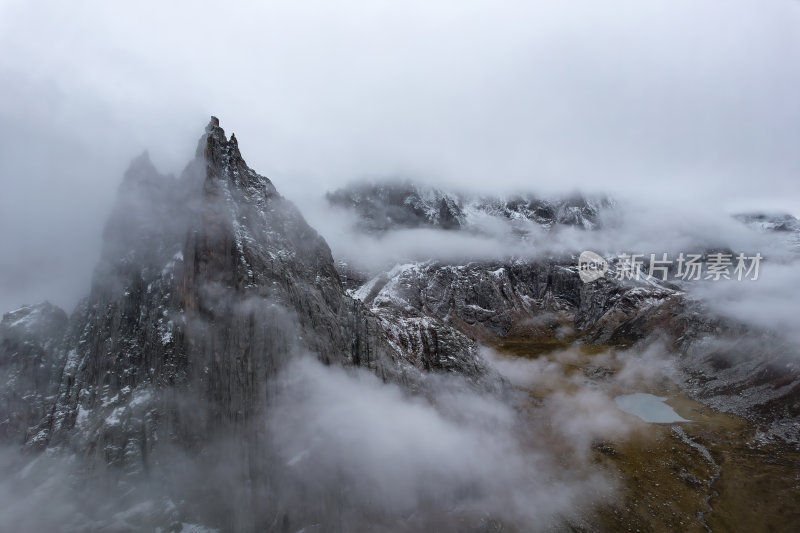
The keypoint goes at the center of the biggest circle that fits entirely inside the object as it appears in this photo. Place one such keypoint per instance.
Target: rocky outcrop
(206, 283)
(489, 301)
(728, 365)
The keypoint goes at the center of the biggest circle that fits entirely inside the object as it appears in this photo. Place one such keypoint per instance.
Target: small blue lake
(649, 408)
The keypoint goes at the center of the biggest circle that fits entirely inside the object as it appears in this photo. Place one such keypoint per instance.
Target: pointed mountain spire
(141, 169)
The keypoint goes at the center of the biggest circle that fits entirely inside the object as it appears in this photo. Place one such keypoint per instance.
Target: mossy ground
(663, 482)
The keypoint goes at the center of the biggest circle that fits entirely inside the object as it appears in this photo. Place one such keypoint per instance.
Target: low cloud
(769, 303)
(339, 450)
(381, 451)
(690, 105)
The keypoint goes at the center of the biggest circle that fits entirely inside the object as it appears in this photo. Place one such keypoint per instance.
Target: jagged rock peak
(214, 129)
(141, 168)
(215, 147)
(214, 136)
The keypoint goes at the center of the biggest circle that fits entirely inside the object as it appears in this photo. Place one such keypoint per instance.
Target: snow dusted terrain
(158, 395)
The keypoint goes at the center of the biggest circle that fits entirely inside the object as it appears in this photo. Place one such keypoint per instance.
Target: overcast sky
(691, 101)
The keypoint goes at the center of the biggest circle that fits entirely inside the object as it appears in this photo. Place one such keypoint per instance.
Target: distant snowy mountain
(770, 221)
(154, 396)
(382, 206)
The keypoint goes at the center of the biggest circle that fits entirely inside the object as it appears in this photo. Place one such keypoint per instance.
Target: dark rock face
(495, 300)
(29, 365)
(206, 285)
(392, 205)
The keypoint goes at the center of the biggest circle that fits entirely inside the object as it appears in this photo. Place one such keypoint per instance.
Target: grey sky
(692, 101)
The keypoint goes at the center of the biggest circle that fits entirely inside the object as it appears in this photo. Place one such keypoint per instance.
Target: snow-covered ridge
(394, 205)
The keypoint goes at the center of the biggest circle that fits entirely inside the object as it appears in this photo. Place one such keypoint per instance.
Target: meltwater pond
(649, 408)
